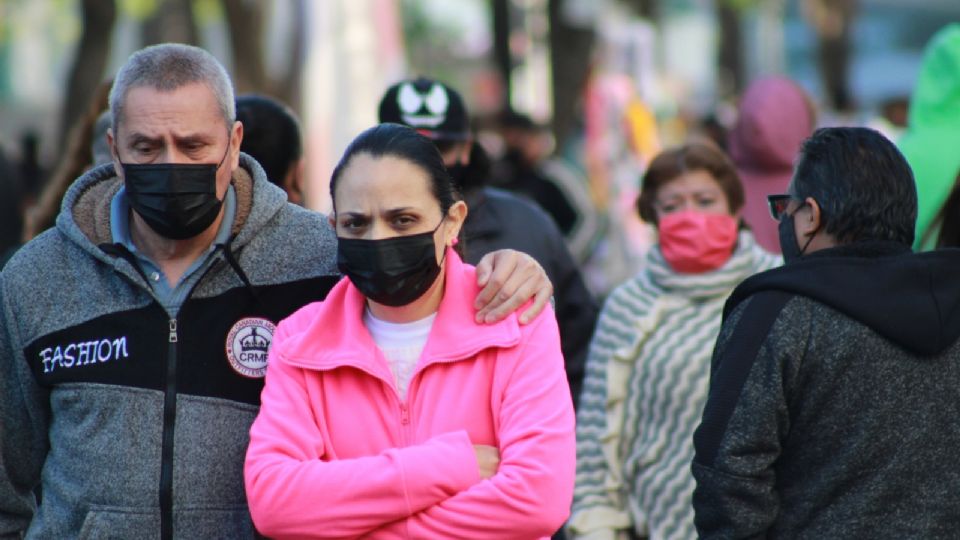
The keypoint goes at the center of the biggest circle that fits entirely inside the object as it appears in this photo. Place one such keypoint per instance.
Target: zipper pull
(173, 330)
(404, 414)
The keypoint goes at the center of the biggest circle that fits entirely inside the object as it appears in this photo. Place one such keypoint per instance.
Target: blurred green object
(931, 143)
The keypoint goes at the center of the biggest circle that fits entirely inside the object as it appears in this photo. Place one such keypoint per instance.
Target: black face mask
(788, 238)
(177, 201)
(391, 271)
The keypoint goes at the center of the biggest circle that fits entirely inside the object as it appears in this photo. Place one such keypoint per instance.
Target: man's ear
(811, 221)
(293, 183)
(236, 139)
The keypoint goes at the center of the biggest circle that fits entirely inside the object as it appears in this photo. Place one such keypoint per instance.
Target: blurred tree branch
(571, 53)
(832, 20)
(89, 62)
(171, 21)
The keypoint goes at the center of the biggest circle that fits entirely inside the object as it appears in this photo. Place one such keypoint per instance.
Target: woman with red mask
(648, 367)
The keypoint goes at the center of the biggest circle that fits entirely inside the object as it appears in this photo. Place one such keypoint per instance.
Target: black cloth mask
(390, 271)
(788, 238)
(176, 200)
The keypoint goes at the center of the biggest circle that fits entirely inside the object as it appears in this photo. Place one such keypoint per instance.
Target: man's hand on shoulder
(508, 279)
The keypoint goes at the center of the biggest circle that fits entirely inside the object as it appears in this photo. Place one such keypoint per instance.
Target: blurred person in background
(560, 188)
(931, 142)
(89, 131)
(526, 145)
(649, 363)
(11, 211)
(497, 219)
(272, 137)
(775, 116)
(388, 411)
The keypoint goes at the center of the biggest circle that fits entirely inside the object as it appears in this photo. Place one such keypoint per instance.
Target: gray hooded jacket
(134, 423)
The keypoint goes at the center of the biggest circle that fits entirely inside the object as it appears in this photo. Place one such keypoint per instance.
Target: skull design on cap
(428, 109)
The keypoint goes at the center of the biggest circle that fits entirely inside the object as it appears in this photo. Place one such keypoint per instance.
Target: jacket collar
(336, 336)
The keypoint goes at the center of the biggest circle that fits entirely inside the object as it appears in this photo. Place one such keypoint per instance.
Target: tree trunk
(90, 61)
(833, 21)
(245, 19)
(501, 46)
(648, 9)
(289, 87)
(732, 72)
(171, 22)
(571, 48)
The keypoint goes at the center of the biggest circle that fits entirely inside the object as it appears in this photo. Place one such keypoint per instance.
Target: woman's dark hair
(947, 220)
(405, 143)
(674, 162)
(863, 184)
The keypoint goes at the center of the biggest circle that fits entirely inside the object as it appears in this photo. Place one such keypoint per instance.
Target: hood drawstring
(120, 250)
(232, 261)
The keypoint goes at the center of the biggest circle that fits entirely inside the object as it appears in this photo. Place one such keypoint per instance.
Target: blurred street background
(606, 83)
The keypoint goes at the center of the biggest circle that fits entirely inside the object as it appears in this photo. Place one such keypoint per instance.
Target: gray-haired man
(134, 333)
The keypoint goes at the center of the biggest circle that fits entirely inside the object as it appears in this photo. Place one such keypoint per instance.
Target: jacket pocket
(213, 522)
(111, 522)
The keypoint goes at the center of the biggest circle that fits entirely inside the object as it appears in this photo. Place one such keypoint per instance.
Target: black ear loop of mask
(180, 198)
(788, 237)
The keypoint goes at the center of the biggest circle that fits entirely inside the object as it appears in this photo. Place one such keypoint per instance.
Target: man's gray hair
(167, 67)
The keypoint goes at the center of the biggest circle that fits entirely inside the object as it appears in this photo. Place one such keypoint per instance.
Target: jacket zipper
(169, 421)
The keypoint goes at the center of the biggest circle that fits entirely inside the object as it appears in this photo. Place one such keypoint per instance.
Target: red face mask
(695, 242)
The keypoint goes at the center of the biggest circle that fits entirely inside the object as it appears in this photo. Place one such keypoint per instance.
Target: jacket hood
(334, 334)
(85, 212)
(936, 99)
(911, 299)
(775, 117)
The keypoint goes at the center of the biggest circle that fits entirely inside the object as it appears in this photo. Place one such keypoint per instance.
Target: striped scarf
(646, 383)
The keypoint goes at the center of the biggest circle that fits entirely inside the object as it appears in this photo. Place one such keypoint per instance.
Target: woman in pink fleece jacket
(388, 412)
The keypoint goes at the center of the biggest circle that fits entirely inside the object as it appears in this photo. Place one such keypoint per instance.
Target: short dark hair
(405, 143)
(271, 135)
(674, 162)
(863, 184)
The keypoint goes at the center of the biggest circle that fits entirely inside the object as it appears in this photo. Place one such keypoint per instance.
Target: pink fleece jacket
(335, 453)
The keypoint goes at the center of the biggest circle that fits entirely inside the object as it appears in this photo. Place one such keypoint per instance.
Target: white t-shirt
(401, 344)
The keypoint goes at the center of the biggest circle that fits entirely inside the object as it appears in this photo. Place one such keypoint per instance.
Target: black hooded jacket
(834, 400)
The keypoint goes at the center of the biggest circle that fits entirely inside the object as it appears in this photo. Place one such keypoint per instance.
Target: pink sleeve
(531, 493)
(293, 492)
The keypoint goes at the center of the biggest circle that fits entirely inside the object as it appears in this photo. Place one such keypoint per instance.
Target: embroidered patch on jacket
(247, 345)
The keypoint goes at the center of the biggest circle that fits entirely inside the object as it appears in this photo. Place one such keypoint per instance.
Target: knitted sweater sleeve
(599, 510)
(23, 428)
(745, 419)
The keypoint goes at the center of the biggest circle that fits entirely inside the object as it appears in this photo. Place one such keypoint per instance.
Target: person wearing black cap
(497, 219)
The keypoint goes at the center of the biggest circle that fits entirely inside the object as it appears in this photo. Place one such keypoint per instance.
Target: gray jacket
(834, 400)
(131, 422)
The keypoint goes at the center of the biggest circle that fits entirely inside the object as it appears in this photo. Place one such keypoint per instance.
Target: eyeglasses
(778, 205)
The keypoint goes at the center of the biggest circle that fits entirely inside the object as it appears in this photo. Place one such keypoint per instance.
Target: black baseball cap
(428, 106)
